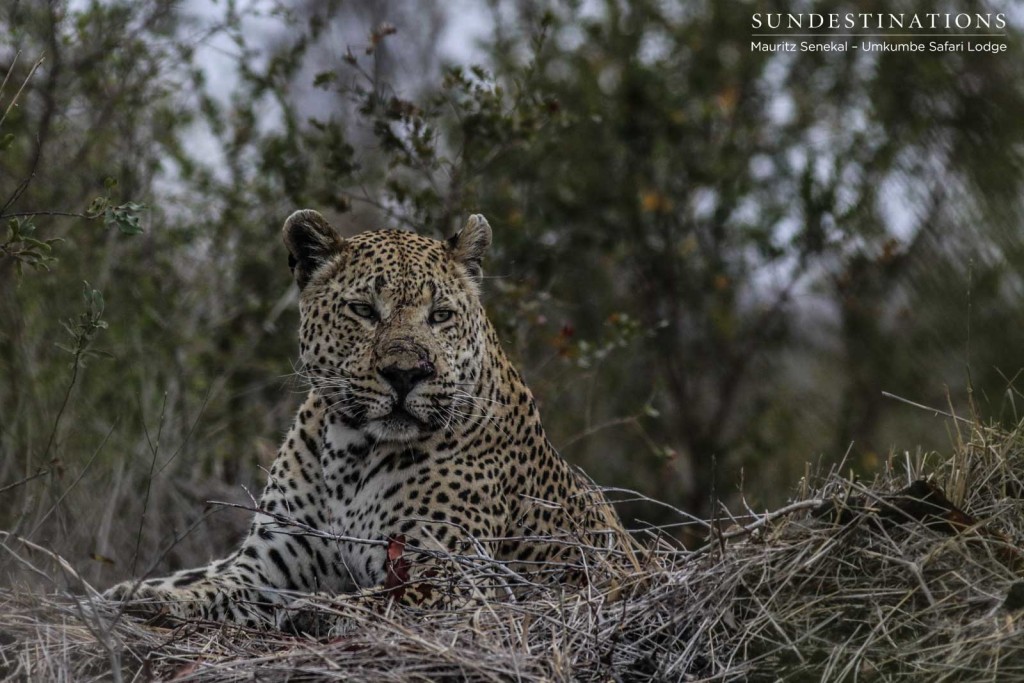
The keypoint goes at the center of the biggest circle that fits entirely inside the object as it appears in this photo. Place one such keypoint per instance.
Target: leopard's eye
(440, 316)
(363, 310)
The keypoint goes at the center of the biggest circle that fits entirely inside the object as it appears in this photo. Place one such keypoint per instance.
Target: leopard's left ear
(311, 242)
(469, 245)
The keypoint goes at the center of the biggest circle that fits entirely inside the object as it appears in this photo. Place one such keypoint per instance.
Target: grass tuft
(913, 576)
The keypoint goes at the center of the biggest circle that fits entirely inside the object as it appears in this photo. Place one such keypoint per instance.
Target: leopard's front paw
(156, 605)
(315, 616)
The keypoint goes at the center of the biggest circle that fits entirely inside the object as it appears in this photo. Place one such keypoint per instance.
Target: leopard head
(392, 331)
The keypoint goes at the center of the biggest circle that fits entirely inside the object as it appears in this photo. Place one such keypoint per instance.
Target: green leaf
(97, 206)
(324, 78)
(36, 244)
(124, 217)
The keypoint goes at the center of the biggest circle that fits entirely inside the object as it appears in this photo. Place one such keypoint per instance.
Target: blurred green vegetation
(709, 261)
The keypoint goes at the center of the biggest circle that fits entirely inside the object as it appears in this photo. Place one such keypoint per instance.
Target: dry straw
(915, 576)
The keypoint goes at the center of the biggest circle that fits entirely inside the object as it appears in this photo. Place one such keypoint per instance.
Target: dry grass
(850, 582)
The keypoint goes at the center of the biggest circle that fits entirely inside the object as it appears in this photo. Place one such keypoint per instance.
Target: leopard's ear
(311, 243)
(469, 245)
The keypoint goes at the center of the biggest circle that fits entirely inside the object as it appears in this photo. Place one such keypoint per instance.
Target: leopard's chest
(373, 495)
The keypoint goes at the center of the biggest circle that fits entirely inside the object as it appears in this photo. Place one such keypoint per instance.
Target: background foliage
(710, 262)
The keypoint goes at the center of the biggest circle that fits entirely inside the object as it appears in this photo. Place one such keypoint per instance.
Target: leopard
(418, 458)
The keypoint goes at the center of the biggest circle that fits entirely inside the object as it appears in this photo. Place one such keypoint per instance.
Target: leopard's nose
(404, 379)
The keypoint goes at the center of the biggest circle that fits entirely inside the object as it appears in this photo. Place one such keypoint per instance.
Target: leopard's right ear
(311, 242)
(469, 245)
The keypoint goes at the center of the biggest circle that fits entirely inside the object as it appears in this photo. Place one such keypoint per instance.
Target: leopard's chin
(398, 426)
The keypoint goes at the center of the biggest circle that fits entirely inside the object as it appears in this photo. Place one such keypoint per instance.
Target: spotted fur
(418, 437)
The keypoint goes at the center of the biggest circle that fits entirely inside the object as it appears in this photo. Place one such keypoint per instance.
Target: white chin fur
(393, 430)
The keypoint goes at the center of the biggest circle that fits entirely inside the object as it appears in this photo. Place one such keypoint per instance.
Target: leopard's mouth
(400, 425)
(402, 414)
